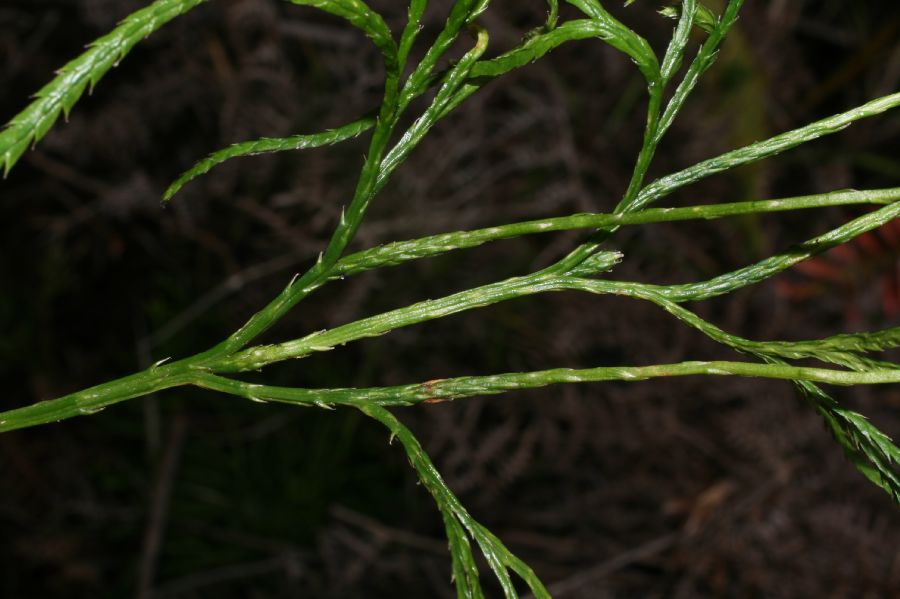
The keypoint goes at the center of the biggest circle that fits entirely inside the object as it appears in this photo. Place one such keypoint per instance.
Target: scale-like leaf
(705, 18)
(552, 14)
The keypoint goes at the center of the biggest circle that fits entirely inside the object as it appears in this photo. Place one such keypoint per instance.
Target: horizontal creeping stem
(468, 386)
(95, 399)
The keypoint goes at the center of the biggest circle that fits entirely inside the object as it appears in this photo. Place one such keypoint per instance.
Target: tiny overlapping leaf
(705, 18)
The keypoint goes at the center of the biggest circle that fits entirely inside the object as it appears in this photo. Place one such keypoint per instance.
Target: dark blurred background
(678, 488)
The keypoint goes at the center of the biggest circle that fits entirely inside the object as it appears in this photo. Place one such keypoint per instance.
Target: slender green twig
(705, 59)
(764, 149)
(773, 265)
(470, 386)
(94, 399)
(389, 146)
(499, 558)
(657, 84)
(622, 38)
(61, 94)
(843, 350)
(549, 279)
(68, 406)
(371, 177)
(268, 145)
(395, 253)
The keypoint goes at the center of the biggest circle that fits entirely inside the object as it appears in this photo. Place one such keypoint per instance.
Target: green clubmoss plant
(846, 358)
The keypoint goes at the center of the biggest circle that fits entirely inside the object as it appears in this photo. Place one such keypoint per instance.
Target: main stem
(95, 399)
(181, 372)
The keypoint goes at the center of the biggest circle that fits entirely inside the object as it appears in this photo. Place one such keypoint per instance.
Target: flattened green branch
(60, 95)
(267, 145)
(548, 280)
(361, 16)
(395, 253)
(764, 149)
(458, 521)
(471, 386)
